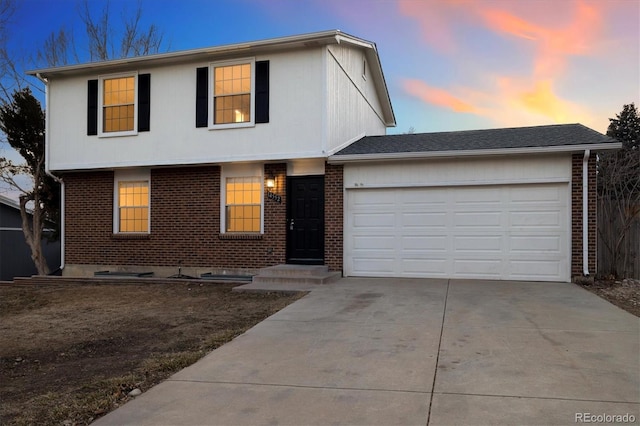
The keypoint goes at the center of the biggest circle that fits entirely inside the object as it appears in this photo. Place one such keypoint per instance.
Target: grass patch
(70, 355)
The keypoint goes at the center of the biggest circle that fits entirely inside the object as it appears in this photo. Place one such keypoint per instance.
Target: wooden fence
(628, 264)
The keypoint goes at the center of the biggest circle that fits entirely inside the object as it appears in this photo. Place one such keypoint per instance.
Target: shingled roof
(566, 136)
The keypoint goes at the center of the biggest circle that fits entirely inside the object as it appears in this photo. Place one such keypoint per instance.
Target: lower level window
(243, 204)
(133, 206)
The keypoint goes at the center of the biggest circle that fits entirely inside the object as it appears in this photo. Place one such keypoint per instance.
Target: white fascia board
(355, 158)
(9, 202)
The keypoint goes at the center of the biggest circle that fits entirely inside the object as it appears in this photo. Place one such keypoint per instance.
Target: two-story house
(212, 159)
(242, 156)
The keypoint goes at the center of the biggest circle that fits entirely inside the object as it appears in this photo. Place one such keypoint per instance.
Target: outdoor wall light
(271, 181)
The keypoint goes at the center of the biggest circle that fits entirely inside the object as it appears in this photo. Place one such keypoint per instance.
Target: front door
(305, 226)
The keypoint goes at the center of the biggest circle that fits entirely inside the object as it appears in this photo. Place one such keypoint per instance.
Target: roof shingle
(507, 138)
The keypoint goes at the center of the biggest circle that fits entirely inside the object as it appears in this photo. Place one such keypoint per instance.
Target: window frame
(124, 176)
(252, 95)
(101, 80)
(240, 171)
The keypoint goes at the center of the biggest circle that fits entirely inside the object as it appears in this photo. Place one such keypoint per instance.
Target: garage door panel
(421, 267)
(478, 268)
(373, 199)
(477, 219)
(523, 269)
(374, 220)
(535, 218)
(383, 243)
(493, 231)
(536, 195)
(477, 243)
(424, 220)
(535, 244)
(373, 267)
(432, 243)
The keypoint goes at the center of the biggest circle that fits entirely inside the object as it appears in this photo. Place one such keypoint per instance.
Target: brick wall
(576, 215)
(185, 223)
(333, 216)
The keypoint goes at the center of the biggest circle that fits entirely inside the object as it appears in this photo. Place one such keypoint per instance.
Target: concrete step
(296, 274)
(293, 270)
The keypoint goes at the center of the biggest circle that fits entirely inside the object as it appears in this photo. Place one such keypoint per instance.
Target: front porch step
(296, 274)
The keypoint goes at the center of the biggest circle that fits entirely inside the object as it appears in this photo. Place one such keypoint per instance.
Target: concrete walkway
(413, 352)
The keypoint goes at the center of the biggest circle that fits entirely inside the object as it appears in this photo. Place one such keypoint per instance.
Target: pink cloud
(436, 96)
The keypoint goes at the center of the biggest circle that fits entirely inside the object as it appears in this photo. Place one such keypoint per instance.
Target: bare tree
(58, 49)
(619, 190)
(133, 41)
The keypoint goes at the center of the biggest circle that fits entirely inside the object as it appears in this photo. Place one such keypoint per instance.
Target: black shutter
(92, 108)
(202, 97)
(144, 102)
(262, 92)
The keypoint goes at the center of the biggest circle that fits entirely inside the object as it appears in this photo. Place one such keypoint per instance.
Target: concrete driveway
(409, 351)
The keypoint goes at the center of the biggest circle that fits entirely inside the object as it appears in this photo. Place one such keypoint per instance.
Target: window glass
(243, 204)
(232, 94)
(118, 104)
(133, 206)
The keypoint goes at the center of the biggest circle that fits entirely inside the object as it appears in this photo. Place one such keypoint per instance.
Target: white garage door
(511, 232)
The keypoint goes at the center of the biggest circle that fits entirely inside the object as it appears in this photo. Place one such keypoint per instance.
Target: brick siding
(185, 222)
(576, 215)
(333, 216)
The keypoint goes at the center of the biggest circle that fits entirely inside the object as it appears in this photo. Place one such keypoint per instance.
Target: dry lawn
(625, 294)
(70, 354)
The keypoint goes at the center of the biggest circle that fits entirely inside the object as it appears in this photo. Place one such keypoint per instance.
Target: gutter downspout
(585, 213)
(48, 171)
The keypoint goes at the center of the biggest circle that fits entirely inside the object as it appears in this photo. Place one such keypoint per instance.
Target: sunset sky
(449, 65)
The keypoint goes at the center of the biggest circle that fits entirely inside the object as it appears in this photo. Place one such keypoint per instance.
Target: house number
(274, 197)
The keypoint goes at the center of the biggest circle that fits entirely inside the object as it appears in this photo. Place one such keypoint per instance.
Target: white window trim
(129, 176)
(212, 66)
(103, 134)
(240, 170)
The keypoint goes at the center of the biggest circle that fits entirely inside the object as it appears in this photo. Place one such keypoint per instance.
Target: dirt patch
(70, 354)
(625, 294)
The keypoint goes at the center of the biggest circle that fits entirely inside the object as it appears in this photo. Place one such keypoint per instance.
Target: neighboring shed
(15, 254)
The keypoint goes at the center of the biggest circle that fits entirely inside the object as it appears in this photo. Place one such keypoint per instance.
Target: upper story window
(118, 104)
(232, 94)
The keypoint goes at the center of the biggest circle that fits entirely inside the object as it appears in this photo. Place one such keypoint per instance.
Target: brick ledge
(240, 236)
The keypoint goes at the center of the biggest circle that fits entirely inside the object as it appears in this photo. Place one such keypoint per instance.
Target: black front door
(305, 226)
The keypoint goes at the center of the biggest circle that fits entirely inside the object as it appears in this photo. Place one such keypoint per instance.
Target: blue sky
(449, 64)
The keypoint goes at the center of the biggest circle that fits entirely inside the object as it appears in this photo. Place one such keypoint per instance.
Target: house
(15, 254)
(237, 157)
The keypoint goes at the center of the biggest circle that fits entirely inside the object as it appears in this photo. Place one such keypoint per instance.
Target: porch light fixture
(271, 181)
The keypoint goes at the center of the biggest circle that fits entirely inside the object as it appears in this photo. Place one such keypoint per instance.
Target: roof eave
(356, 158)
(252, 47)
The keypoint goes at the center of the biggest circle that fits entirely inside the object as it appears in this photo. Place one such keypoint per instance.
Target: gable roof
(540, 139)
(302, 41)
